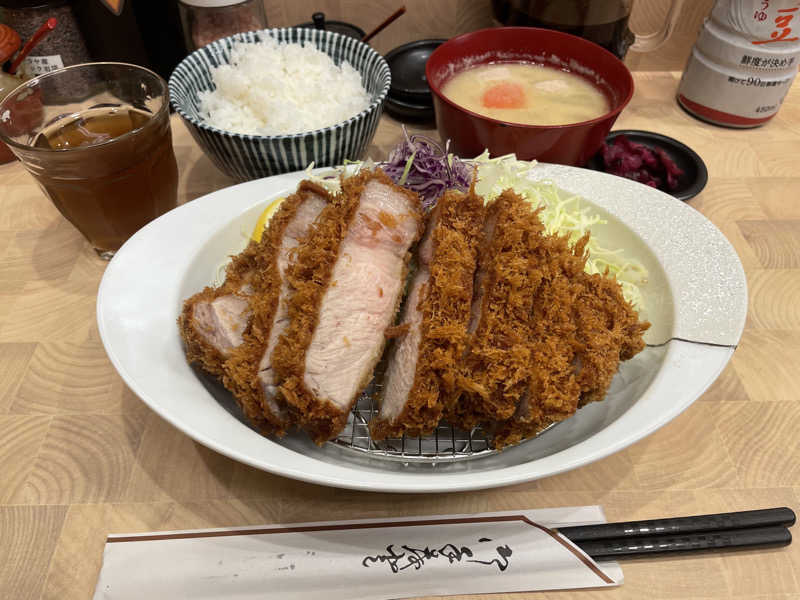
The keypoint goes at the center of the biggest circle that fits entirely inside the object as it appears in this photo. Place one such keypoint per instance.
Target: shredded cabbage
(422, 165)
(560, 213)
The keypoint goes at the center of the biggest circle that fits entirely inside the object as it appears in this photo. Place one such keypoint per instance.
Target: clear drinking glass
(96, 137)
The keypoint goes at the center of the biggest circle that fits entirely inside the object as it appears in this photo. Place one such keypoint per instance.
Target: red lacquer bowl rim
(435, 88)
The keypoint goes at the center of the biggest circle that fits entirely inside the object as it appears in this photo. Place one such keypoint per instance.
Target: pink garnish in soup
(505, 94)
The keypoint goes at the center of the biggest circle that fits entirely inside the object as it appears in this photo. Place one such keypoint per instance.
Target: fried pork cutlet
(213, 321)
(347, 282)
(248, 373)
(422, 364)
(608, 331)
(553, 391)
(581, 328)
(495, 368)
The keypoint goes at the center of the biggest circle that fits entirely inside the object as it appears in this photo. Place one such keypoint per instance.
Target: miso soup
(526, 93)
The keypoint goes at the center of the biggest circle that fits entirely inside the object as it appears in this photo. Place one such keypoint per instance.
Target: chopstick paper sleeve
(351, 560)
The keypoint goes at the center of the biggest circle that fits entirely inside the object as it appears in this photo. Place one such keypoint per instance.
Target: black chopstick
(758, 537)
(682, 525)
(751, 529)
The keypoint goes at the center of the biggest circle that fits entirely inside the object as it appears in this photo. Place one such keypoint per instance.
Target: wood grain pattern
(768, 290)
(66, 377)
(59, 311)
(688, 455)
(614, 472)
(727, 388)
(776, 243)
(81, 456)
(771, 194)
(765, 378)
(29, 535)
(103, 445)
(14, 360)
(760, 439)
(22, 438)
(166, 453)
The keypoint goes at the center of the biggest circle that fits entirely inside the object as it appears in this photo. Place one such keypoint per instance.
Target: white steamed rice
(273, 88)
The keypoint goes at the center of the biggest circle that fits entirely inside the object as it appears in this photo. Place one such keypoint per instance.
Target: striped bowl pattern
(246, 157)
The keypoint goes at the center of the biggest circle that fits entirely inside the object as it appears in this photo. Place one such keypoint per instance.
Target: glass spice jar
(64, 47)
(205, 21)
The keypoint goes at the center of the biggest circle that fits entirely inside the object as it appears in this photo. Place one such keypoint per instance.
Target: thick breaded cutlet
(553, 391)
(581, 328)
(240, 371)
(238, 280)
(495, 370)
(310, 277)
(608, 330)
(444, 307)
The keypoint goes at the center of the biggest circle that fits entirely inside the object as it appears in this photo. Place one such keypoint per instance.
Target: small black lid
(695, 174)
(407, 64)
(319, 22)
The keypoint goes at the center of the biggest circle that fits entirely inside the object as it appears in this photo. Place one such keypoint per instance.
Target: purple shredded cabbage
(431, 173)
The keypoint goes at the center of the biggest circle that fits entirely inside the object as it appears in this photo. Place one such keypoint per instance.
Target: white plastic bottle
(743, 62)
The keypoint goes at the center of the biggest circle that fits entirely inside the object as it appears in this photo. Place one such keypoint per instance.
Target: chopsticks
(388, 21)
(747, 529)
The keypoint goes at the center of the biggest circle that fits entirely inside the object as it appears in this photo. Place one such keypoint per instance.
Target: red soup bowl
(573, 144)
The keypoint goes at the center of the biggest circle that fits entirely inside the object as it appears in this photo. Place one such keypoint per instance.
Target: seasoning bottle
(205, 21)
(63, 48)
(743, 63)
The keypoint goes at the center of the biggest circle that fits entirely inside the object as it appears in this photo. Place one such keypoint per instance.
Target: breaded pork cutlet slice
(608, 331)
(213, 321)
(553, 391)
(495, 369)
(581, 328)
(422, 363)
(247, 372)
(347, 282)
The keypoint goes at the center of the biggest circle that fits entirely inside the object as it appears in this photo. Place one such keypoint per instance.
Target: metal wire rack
(446, 444)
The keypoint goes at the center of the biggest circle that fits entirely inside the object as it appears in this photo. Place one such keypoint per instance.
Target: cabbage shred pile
(420, 164)
(561, 213)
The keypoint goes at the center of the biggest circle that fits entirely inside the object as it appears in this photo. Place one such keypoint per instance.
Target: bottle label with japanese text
(39, 65)
(730, 97)
(743, 63)
(762, 22)
(732, 50)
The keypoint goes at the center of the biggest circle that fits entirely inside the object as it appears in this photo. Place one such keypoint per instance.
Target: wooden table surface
(81, 456)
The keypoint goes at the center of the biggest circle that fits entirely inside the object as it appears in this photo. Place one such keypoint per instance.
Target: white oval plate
(696, 299)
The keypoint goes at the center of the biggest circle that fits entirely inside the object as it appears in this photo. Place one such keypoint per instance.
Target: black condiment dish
(695, 174)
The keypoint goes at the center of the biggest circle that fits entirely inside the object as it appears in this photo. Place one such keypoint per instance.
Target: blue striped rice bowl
(246, 157)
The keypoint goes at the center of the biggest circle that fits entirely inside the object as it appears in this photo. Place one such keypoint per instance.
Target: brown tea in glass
(106, 160)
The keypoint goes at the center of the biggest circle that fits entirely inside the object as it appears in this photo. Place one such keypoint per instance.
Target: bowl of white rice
(274, 101)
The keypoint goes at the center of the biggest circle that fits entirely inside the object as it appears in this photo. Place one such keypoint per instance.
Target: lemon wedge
(264, 218)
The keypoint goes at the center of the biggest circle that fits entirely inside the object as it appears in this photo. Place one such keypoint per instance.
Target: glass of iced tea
(97, 139)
